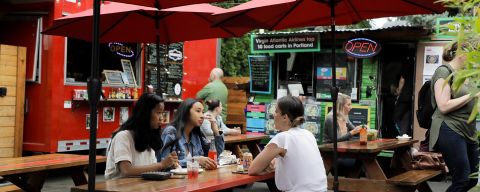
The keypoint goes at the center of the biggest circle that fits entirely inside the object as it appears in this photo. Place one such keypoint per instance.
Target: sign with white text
(278, 43)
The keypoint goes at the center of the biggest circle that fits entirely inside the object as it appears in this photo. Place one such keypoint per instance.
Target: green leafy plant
(467, 25)
(234, 53)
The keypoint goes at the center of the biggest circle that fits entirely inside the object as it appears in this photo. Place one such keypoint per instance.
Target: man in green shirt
(215, 89)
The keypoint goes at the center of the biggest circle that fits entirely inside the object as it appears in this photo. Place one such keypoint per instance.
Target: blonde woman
(345, 129)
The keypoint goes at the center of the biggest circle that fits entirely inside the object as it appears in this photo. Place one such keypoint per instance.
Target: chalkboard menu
(171, 73)
(260, 74)
(359, 115)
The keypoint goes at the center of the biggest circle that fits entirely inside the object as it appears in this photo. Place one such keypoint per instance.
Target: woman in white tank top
(293, 153)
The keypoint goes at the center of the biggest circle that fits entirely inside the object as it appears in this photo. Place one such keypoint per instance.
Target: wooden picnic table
(376, 180)
(29, 172)
(234, 142)
(210, 180)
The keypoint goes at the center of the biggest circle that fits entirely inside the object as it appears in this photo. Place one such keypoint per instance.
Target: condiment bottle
(363, 135)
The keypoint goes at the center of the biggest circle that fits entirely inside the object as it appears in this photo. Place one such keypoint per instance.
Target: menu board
(256, 117)
(359, 115)
(113, 77)
(128, 71)
(312, 119)
(270, 124)
(260, 74)
(171, 73)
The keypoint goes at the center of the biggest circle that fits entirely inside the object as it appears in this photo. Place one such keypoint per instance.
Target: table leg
(373, 169)
(78, 175)
(253, 148)
(327, 163)
(424, 187)
(28, 182)
(401, 159)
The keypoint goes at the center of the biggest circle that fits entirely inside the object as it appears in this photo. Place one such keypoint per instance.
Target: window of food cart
(120, 63)
(347, 75)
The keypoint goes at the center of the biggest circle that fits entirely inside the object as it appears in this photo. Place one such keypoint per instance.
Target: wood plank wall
(12, 76)
(237, 100)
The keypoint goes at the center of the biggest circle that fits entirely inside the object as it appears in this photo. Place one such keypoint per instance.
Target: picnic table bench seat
(415, 179)
(10, 188)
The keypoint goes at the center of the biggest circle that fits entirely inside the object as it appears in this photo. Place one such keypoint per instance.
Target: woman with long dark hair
(183, 135)
(298, 165)
(133, 146)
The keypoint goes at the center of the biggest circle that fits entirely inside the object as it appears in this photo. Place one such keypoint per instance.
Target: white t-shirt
(301, 169)
(122, 148)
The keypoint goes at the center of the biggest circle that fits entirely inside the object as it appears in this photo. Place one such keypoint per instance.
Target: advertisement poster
(432, 59)
(108, 114)
(326, 73)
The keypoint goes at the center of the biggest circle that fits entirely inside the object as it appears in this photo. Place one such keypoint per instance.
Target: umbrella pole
(94, 86)
(157, 45)
(334, 94)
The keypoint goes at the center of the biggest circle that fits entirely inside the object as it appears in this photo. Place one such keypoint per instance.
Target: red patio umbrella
(281, 14)
(133, 23)
(162, 4)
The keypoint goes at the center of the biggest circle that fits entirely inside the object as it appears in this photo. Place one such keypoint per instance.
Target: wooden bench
(415, 178)
(10, 188)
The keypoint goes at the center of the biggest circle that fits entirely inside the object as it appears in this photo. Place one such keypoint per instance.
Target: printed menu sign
(260, 74)
(128, 71)
(171, 75)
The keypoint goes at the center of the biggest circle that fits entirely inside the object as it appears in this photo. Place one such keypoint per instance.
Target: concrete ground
(61, 183)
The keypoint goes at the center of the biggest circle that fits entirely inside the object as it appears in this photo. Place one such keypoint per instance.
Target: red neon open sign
(362, 47)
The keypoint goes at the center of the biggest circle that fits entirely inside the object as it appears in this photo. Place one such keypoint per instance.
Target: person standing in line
(132, 150)
(403, 106)
(450, 133)
(297, 163)
(215, 89)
